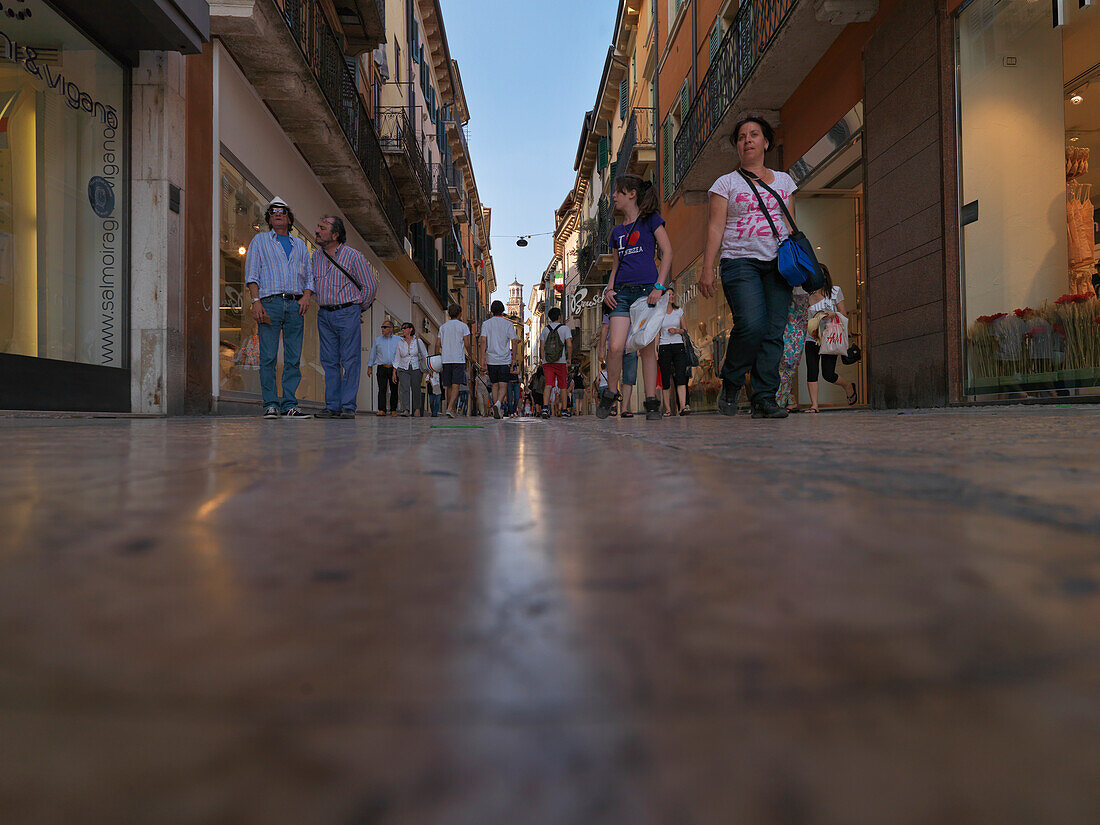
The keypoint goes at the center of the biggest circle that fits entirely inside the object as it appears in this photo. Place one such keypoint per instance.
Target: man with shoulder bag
(345, 289)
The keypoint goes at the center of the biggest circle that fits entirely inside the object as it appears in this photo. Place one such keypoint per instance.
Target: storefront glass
(242, 216)
(1029, 118)
(63, 193)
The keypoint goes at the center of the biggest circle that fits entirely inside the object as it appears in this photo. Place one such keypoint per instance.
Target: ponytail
(646, 192)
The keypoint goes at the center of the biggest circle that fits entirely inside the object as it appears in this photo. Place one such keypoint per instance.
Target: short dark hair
(267, 215)
(337, 227)
(765, 128)
(454, 310)
(497, 307)
(554, 314)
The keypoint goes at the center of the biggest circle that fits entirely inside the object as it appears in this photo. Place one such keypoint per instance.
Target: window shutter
(624, 93)
(685, 103)
(634, 71)
(666, 157)
(715, 38)
(601, 160)
(611, 177)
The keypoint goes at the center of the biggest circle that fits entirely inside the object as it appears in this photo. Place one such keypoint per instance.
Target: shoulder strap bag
(692, 353)
(797, 262)
(336, 264)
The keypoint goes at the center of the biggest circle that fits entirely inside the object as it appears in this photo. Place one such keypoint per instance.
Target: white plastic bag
(645, 322)
(834, 335)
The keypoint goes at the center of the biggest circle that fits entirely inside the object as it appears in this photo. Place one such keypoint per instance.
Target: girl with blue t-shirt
(634, 277)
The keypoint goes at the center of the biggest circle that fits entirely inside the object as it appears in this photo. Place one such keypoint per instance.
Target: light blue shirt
(272, 270)
(383, 351)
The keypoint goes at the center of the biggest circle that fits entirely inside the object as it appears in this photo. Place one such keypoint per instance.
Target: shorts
(630, 369)
(555, 375)
(626, 295)
(453, 374)
(498, 373)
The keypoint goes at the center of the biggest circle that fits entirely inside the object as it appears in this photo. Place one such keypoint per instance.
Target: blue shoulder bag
(797, 262)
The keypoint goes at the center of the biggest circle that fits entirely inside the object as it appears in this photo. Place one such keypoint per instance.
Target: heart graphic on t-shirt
(633, 239)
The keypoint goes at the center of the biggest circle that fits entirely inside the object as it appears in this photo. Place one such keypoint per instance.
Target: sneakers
(348, 414)
(271, 412)
(496, 412)
(767, 408)
(546, 413)
(566, 414)
(727, 401)
(449, 414)
(652, 409)
(327, 413)
(608, 400)
(294, 412)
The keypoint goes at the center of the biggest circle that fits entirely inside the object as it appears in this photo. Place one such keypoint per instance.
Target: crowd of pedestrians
(774, 324)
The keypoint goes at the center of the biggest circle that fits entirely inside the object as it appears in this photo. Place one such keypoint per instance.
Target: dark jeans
(513, 397)
(758, 297)
(288, 323)
(384, 376)
(339, 334)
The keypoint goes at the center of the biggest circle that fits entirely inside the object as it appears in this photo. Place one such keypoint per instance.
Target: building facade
(898, 120)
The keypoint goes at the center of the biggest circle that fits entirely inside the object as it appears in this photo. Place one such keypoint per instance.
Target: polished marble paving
(854, 618)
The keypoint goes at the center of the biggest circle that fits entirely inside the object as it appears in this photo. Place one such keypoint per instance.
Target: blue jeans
(512, 397)
(285, 321)
(758, 297)
(340, 335)
(434, 399)
(626, 295)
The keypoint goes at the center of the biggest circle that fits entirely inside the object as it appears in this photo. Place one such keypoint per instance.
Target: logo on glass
(101, 196)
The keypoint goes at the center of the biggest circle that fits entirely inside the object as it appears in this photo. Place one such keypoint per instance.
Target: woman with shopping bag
(827, 339)
(635, 282)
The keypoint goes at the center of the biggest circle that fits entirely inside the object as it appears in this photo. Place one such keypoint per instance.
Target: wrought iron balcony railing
(641, 132)
(748, 38)
(452, 253)
(321, 49)
(397, 134)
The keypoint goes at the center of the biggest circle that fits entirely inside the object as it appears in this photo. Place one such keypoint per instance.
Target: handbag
(797, 262)
(689, 348)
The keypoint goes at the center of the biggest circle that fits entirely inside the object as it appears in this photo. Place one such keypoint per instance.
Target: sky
(530, 71)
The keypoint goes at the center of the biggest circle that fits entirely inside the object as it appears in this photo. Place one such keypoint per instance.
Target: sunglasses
(278, 210)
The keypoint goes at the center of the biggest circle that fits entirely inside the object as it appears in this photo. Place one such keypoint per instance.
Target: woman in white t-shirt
(827, 300)
(757, 294)
(672, 356)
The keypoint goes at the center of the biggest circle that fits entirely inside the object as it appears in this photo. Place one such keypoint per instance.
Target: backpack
(554, 345)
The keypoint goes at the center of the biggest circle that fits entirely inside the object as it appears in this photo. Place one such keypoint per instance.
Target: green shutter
(611, 177)
(685, 103)
(601, 160)
(624, 93)
(715, 38)
(666, 157)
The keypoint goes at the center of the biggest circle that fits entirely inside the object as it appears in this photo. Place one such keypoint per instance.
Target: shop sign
(580, 301)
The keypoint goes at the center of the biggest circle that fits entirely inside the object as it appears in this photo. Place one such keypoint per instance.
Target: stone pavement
(850, 619)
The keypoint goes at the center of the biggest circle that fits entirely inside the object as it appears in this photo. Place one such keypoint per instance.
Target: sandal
(686, 411)
(813, 410)
(666, 414)
(852, 398)
(626, 414)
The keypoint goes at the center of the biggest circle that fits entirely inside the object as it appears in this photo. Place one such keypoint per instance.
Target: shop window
(1029, 122)
(242, 217)
(63, 194)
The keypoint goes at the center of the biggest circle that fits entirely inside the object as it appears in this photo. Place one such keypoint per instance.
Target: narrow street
(845, 619)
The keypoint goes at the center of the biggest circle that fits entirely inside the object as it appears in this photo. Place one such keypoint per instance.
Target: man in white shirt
(453, 344)
(498, 354)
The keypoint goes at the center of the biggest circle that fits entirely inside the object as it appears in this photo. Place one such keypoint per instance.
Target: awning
(126, 27)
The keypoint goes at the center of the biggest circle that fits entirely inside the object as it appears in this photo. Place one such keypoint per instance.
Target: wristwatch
(660, 286)
(256, 300)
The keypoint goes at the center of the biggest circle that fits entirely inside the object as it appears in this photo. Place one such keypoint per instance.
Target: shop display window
(708, 321)
(1029, 134)
(63, 193)
(242, 217)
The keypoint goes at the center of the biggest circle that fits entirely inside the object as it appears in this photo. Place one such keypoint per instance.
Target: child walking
(634, 277)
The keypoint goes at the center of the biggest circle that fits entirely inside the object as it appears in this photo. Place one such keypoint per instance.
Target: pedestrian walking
(410, 361)
(794, 339)
(278, 274)
(535, 388)
(345, 290)
(514, 392)
(383, 352)
(556, 350)
(498, 349)
(435, 393)
(453, 344)
(672, 356)
(758, 295)
(634, 277)
(826, 301)
(579, 385)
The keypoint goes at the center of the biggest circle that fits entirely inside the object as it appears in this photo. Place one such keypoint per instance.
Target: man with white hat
(279, 278)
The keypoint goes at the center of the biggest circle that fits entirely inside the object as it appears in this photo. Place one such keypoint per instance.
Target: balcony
(363, 22)
(294, 59)
(452, 253)
(767, 52)
(400, 144)
(428, 262)
(442, 206)
(638, 151)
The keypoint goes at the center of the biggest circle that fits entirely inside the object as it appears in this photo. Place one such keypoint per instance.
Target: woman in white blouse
(828, 299)
(672, 356)
(411, 361)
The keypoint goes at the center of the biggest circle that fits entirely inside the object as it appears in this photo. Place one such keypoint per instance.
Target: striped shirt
(334, 287)
(383, 351)
(267, 265)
